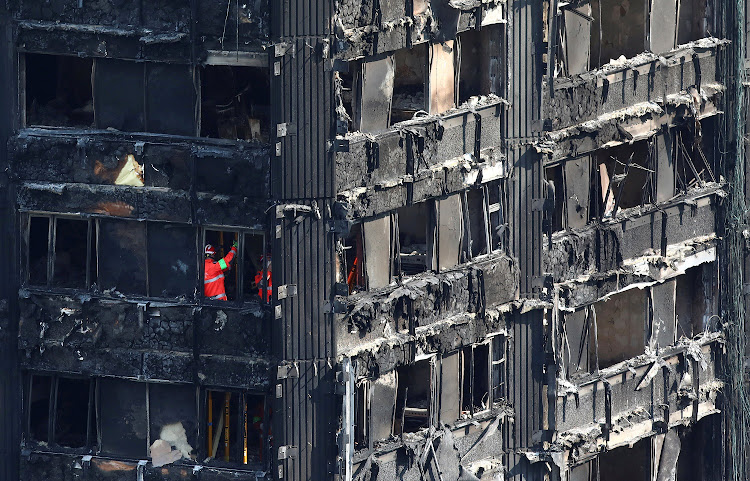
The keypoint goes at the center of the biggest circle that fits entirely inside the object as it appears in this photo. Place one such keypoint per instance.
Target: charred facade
(475, 240)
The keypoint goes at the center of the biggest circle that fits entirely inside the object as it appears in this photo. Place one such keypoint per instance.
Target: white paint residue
(175, 435)
(131, 173)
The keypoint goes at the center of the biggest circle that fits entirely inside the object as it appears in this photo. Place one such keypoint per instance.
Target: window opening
(73, 416)
(479, 72)
(694, 169)
(475, 379)
(412, 236)
(144, 97)
(38, 255)
(173, 415)
(123, 417)
(70, 252)
(409, 83)
(40, 397)
(220, 275)
(627, 177)
(480, 384)
(625, 463)
(355, 259)
(235, 426)
(554, 177)
(498, 368)
(171, 258)
(497, 207)
(414, 397)
(235, 103)
(373, 93)
(58, 91)
(123, 267)
(475, 205)
(693, 309)
(256, 264)
(361, 415)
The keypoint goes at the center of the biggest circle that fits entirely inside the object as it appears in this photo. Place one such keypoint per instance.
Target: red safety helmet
(210, 250)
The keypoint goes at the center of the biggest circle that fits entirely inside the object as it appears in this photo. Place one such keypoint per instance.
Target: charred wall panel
(302, 97)
(525, 372)
(10, 402)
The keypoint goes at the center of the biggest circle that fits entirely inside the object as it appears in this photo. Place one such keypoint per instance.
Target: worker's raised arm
(227, 259)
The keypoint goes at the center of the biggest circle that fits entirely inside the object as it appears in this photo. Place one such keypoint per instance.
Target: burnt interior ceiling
(373, 240)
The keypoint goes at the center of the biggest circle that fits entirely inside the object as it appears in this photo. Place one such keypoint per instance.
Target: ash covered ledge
(645, 77)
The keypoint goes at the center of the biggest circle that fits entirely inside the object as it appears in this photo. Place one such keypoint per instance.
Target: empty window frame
(499, 365)
(236, 427)
(362, 402)
(173, 414)
(123, 260)
(415, 238)
(248, 274)
(475, 377)
(60, 411)
(123, 417)
(145, 97)
(555, 184)
(497, 206)
(693, 157)
(171, 259)
(58, 91)
(476, 218)
(414, 397)
(354, 255)
(626, 177)
(480, 67)
(59, 251)
(374, 409)
(695, 298)
(570, 184)
(235, 103)
(409, 84)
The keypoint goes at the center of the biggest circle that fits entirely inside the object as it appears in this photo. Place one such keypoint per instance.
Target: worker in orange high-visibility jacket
(213, 280)
(264, 261)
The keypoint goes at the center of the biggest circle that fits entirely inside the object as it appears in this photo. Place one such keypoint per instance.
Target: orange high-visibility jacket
(213, 280)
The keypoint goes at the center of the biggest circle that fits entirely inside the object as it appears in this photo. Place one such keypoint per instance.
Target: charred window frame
(250, 278)
(146, 97)
(374, 409)
(235, 102)
(480, 65)
(60, 411)
(415, 408)
(242, 417)
(132, 415)
(477, 219)
(51, 242)
(415, 238)
(626, 178)
(472, 380)
(476, 379)
(569, 192)
(55, 91)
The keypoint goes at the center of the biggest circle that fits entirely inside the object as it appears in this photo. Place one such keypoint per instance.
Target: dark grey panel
(171, 99)
(118, 95)
(123, 418)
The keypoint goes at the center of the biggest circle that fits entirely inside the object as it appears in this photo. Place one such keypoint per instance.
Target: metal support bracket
(287, 452)
(286, 371)
(287, 290)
